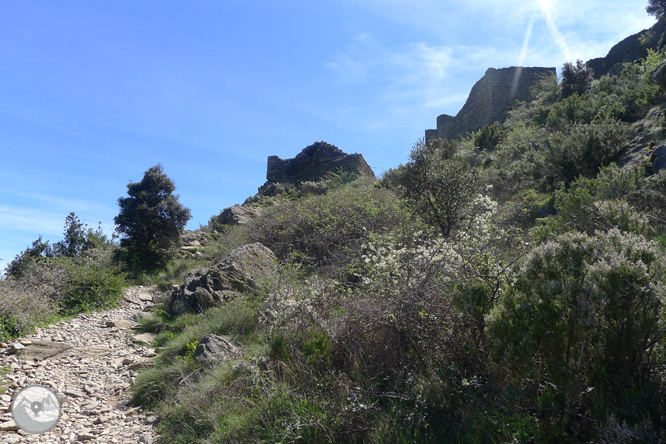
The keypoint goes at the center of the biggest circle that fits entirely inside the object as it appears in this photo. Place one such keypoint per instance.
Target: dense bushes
(326, 230)
(77, 274)
(581, 328)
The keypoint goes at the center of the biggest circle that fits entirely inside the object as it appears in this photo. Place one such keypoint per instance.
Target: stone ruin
(313, 164)
(490, 100)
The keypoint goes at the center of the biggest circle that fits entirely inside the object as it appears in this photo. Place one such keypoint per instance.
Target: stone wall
(313, 164)
(490, 99)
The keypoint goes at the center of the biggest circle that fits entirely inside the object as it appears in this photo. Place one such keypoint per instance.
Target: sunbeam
(547, 11)
(523, 52)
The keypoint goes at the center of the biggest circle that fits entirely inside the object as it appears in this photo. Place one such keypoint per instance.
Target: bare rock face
(631, 49)
(241, 271)
(238, 215)
(313, 164)
(490, 99)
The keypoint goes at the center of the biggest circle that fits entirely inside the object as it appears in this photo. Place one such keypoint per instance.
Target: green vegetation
(45, 282)
(506, 287)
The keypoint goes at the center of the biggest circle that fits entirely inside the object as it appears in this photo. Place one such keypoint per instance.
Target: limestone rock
(9, 426)
(144, 338)
(145, 363)
(213, 349)
(122, 324)
(241, 271)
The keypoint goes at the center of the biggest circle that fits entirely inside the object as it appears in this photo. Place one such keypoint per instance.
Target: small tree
(75, 237)
(436, 184)
(151, 219)
(656, 8)
(576, 79)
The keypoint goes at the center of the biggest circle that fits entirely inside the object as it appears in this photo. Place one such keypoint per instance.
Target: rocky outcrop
(238, 215)
(659, 75)
(192, 242)
(241, 271)
(213, 349)
(631, 49)
(490, 100)
(658, 159)
(313, 164)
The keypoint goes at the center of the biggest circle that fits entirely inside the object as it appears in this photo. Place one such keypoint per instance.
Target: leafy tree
(576, 79)
(151, 219)
(438, 185)
(656, 8)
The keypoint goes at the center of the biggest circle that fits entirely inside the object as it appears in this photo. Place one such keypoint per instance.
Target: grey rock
(659, 75)
(146, 363)
(144, 338)
(238, 215)
(16, 346)
(658, 159)
(9, 426)
(41, 350)
(213, 349)
(122, 324)
(241, 271)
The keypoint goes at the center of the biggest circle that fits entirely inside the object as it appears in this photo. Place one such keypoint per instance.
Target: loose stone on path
(90, 361)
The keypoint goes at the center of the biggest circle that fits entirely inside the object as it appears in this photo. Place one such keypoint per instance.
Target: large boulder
(242, 271)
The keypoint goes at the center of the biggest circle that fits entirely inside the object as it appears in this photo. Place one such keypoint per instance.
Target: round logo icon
(36, 409)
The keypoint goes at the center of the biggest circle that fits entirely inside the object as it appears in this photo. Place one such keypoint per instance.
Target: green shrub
(489, 137)
(599, 204)
(91, 282)
(581, 327)
(326, 230)
(584, 149)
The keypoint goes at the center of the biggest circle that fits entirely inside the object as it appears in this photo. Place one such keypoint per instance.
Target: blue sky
(94, 93)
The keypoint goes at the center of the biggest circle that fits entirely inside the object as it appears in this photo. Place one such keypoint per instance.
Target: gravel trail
(90, 361)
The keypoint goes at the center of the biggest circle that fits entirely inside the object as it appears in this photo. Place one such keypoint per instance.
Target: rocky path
(90, 361)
